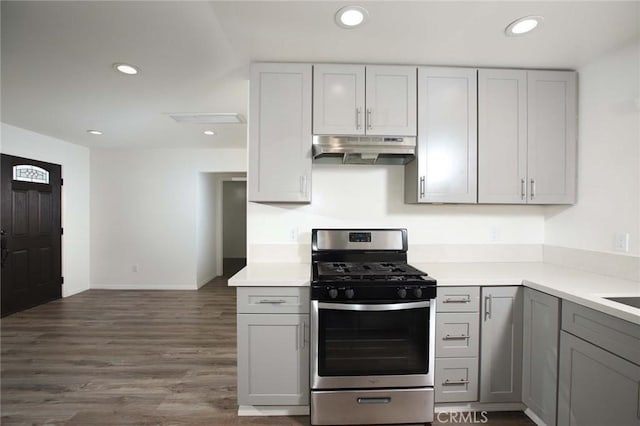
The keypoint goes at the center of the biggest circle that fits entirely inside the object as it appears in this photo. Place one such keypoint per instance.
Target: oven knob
(349, 293)
(417, 292)
(333, 293)
(402, 293)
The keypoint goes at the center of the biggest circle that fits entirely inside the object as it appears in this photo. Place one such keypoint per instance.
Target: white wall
(206, 222)
(75, 197)
(608, 158)
(373, 196)
(234, 215)
(144, 213)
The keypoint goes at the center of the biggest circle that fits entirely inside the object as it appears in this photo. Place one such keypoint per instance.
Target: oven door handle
(373, 307)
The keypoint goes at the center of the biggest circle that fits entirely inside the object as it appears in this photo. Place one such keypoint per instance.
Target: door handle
(5, 250)
(523, 189)
(452, 300)
(381, 400)
(422, 178)
(455, 382)
(369, 119)
(358, 114)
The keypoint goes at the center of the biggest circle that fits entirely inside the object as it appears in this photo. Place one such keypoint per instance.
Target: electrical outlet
(134, 268)
(293, 234)
(621, 242)
(494, 234)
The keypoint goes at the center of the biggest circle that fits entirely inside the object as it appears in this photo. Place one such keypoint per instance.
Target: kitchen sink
(633, 301)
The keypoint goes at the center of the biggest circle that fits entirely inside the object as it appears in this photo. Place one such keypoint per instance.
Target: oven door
(371, 345)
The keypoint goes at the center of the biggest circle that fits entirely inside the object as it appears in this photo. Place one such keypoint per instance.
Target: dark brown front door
(31, 233)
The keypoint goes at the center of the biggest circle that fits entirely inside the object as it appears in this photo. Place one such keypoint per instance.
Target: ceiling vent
(208, 117)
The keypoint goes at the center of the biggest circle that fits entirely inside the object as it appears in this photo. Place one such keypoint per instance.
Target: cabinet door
(391, 94)
(502, 136)
(552, 121)
(273, 359)
(338, 100)
(596, 387)
(447, 135)
(501, 345)
(540, 354)
(280, 139)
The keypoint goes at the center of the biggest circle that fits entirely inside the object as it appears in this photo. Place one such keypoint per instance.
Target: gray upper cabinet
(501, 344)
(552, 127)
(364, 100)
(526, 136)
(445, 168)
(502, 136)
(280, 138)
(540, 354)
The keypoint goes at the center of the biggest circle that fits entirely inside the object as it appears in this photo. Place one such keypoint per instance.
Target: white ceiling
(57, 76)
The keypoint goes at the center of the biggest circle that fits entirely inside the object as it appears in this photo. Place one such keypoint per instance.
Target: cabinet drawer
(613, 334)
(273, 300)
(456, 379)
(458, 299)
(457, 334)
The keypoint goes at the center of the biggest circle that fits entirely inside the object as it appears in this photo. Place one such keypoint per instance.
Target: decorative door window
(29, 173)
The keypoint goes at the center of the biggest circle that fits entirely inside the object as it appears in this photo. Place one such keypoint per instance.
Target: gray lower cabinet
(540, 354)
(273, 346)
(596, 387)
(501, 344)
(457, 343)
(599, 377)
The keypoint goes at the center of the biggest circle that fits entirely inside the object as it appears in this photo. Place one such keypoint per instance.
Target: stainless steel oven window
(390, 344)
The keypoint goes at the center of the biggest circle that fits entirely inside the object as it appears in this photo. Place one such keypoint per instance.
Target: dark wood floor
(131, 357)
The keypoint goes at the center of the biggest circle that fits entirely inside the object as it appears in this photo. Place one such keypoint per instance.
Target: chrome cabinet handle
(487, 307)
(455, 337)
(455, 382)
(451, 300)
(533, 188)
(369, 119)
(422, 178)
(272, 301)
(523, 189)
(358, 121)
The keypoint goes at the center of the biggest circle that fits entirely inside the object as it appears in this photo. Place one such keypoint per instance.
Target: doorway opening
(221, 225)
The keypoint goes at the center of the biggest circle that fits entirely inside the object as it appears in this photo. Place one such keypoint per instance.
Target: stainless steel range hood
(364, 149)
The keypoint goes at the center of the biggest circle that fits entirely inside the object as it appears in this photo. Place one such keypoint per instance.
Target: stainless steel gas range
(372, 330)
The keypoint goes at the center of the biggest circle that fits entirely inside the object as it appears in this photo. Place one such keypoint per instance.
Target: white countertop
(574, 285)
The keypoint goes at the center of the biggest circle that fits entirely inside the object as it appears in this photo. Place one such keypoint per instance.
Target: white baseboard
(273, 410)
(143, 287)
(537, 420)
(478, 406)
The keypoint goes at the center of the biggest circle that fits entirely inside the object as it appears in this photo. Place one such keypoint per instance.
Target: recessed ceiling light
(351, 16)
(126, 69)
(523, 25)
(94, 132)
(209, 132)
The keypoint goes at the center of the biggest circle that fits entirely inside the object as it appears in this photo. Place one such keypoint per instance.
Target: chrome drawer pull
(454, 337)
(457, 382)
(450, 300)
(272, 301)
(382, 400)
